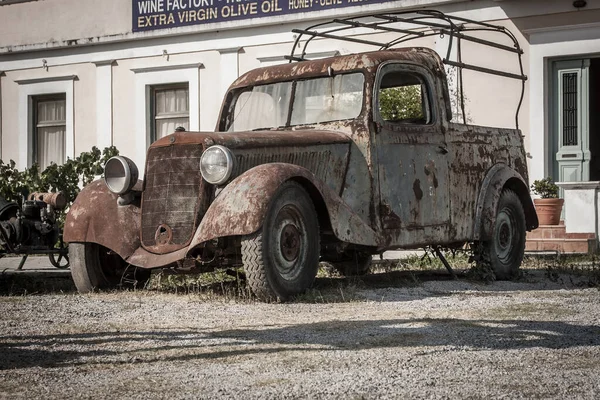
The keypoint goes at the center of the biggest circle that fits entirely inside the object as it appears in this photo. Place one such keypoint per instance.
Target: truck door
(412, 157)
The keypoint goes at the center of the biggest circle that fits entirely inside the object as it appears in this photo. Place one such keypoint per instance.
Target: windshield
(314, 101)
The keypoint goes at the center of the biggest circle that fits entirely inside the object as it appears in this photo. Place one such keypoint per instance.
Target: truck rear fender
(241, 207)
(96, 217)
(498, 178)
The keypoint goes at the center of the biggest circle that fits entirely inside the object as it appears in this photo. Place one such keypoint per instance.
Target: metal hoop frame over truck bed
(430, 23)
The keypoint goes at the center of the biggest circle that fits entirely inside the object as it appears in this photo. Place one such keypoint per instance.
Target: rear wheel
(504, 251)
(94, 267)
(282, 258)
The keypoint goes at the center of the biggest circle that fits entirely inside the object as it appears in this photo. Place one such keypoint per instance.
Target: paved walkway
(38, 264)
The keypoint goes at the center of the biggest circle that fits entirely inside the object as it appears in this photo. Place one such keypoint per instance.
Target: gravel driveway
(538, 338)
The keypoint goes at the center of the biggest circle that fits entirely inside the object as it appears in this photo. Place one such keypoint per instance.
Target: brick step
(557, 232)
(561, 245)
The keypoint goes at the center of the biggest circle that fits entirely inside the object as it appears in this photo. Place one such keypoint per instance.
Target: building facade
(81, 73)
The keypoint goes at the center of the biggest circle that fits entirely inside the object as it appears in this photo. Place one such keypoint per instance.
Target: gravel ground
(537, 338)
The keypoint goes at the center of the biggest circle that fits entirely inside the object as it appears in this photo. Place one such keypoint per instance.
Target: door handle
(442, 150)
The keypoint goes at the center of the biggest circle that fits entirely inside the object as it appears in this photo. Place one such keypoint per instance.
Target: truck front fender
(96, 217)
(241, 206)
(498, 178)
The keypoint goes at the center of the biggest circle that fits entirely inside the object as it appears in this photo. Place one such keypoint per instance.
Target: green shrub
(545, 188)
(400, 103)
(68, 178)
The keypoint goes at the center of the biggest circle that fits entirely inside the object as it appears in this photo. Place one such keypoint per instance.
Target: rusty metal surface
(172, 200)
(366, 62)
(55, 199)
(253, 139)
(143, 258)
(383, 186)
(326, 162)
(500, 176)
(241, 206)
(95, 217)
(477, 152)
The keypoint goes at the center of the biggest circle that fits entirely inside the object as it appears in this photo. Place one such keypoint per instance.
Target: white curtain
(51, 146)
(328, 99)
(51, 128)
(167, 126)
(265, 106)
(171, 111)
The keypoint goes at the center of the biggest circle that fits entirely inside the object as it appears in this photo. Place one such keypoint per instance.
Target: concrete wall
(48, 21)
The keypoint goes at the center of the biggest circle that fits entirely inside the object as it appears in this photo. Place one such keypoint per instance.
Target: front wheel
(504, 251)
(282, 258)
(95, 267)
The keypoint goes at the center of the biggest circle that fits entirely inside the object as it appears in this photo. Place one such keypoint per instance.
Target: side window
(404, 98)
(170, 109)
(49, 129)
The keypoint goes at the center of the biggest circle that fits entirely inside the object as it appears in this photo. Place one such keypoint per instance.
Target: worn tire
(282, 257)
(93, 268)
(504, 251)
(355, 264)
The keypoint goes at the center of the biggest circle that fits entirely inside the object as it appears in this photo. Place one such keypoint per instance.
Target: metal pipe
(485, 70)
(485, 42)
(377, 26)
(328, 36)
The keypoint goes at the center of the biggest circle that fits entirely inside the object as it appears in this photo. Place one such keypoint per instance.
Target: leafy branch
(68, 178)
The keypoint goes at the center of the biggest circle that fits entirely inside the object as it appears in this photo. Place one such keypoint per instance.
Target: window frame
(152, 105)
(232, 96)
(35, 124)
(427, 83)
(27, 88)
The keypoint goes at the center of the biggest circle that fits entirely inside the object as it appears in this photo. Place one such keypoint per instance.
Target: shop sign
(160, 14)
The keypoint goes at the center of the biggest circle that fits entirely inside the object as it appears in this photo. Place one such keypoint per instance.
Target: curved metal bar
(438, 22)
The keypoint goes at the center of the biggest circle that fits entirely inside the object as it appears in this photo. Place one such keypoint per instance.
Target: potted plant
(548, 206)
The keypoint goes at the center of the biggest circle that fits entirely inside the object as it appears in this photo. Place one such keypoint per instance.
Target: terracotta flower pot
(548, 210)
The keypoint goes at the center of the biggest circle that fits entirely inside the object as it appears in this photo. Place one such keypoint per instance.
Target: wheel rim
(506, 237)
(290, 246)
(60, 262)
(290, 242)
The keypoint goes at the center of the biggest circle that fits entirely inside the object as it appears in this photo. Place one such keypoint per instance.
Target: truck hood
(254, 139)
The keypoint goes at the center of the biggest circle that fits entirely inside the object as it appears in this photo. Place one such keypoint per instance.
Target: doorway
(575, 108)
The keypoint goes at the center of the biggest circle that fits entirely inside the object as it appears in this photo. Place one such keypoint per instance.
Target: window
(49, 129)
(262, 107)
(314, 101)
(403, 98)
(328, 99)
(170, 109)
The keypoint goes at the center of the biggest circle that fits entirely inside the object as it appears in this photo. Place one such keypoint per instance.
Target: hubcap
(290, 242)
(505, 235)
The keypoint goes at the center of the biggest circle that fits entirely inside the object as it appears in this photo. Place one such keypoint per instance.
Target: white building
(79, 73)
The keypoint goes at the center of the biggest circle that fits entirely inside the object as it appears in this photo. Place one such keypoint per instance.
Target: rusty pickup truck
(331, 160)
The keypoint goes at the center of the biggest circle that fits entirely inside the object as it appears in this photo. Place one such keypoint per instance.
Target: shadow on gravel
(162, 346)
(35, 283)
(325, 289)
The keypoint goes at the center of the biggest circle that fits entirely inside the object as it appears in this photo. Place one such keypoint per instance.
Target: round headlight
(216, 164)
(120, 174)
